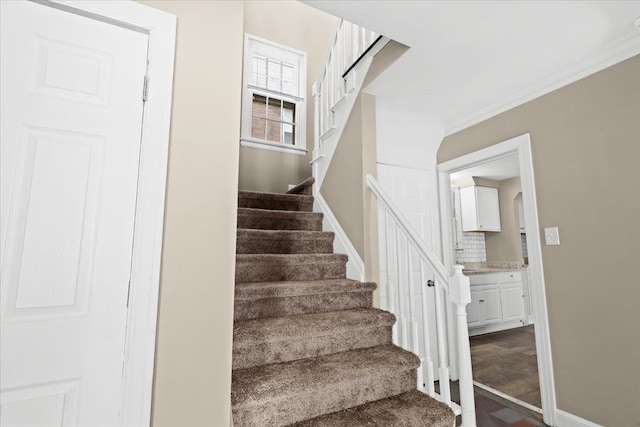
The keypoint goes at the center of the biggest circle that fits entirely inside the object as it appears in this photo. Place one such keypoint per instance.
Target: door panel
(71, 124)
(492, 311)
(512, 301)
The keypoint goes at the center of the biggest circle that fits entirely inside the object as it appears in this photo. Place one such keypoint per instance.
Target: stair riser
(304, 304)
(305, 205)
(336, 397)
(259, 221)
(249, 245)
(302, 347)
(260, 272)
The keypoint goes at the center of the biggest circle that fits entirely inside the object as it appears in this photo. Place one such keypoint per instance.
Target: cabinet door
(490, 304)
(473, 309)
(488, 208)
(512, 301)
(469, 209)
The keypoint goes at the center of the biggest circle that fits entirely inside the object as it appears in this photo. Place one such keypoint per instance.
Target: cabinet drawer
(493, 278)
(511, 276)
(484, 279)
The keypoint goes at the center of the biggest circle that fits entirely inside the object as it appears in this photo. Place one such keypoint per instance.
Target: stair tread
(302, 378)
(289, 234)
(278, 213)
(291, 258)
(307, 325)
(268, 195)
(411, 409)
(256, 290)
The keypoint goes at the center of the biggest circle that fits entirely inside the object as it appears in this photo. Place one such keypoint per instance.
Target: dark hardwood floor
(506, 361)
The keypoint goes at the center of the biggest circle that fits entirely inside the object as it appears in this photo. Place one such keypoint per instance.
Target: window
(273, 97)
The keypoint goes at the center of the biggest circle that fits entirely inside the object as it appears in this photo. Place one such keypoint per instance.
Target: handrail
(431, 259)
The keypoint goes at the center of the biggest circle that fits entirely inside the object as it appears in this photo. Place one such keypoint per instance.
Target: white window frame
(248, 90)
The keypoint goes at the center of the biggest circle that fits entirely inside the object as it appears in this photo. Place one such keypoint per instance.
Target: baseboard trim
(341, 244)
(565, 419)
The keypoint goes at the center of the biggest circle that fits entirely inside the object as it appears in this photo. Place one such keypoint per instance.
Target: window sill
(270, 146)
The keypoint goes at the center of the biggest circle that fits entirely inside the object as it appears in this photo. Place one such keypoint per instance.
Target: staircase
(308, 348)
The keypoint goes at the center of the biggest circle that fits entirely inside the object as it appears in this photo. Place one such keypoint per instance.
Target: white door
(409, 190)
(71, 124)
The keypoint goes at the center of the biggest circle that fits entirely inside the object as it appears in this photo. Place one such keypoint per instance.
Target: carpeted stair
(308, 348)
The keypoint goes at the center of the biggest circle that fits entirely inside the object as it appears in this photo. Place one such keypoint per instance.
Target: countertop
(491, 267)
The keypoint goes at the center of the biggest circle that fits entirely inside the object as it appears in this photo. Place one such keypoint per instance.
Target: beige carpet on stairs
(309, 349)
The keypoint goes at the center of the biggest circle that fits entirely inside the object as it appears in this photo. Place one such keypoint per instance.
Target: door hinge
(145, 89)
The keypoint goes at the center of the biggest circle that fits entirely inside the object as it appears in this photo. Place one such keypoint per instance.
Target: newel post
(460, 295)
(317, 126)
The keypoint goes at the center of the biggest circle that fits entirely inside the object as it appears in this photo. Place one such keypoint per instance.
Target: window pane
(288, 85)
(288, 133)
(274, 109)
(273, 131)
(259, 77)
(259, 106)
(258, 127)
(288, 112)
(258, 122)
(274, 73)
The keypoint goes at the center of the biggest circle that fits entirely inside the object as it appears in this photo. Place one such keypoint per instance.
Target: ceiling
(470, 60)
(498, 170)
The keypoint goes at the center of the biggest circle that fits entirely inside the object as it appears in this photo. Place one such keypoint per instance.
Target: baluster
(387, 284)
(401, 298)
(354, 44)
(398, 295)
(443, 365)
(317, 124)
(363, 36)
(343, 68)
(413, 319)
(325, 103)
(392, 303)
(331, 75)
(425, 331)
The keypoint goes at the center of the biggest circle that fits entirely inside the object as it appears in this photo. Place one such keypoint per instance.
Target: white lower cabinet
(512, 301)
(497, 302)
(485, 306)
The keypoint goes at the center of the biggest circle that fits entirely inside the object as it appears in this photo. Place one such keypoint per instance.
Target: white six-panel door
(71, 124)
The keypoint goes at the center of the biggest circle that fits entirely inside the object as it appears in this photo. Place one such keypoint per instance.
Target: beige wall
(506, 245)
(193, 355)
(345, 188)
(586, 151)
(301, 27)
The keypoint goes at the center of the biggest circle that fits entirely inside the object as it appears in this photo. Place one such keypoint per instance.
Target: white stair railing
(409, 264)
(348, 44)
(334, 91)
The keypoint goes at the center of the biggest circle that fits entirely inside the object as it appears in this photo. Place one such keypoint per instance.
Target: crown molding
(615, 52)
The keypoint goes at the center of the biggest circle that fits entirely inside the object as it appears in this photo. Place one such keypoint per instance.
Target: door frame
(520, 146)
(139, 351)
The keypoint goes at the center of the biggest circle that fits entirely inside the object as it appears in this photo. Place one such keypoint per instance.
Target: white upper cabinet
(480, 208)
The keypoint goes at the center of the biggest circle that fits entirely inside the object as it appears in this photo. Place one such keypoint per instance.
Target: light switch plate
(551, 236)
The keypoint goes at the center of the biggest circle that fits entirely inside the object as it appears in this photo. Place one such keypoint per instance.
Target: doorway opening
(488, 209)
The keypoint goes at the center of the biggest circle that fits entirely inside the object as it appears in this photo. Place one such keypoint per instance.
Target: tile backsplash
(473, 248)
(523, 238)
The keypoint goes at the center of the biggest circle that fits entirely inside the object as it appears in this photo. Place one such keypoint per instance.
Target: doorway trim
(139, 351)
(520, 146)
